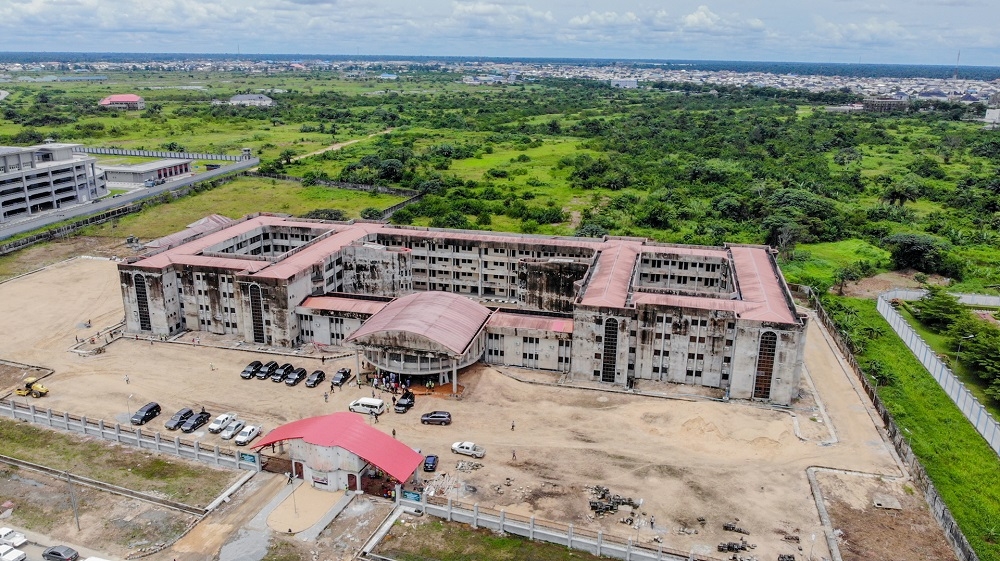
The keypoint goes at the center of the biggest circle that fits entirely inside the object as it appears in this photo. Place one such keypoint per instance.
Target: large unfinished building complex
(426, 302)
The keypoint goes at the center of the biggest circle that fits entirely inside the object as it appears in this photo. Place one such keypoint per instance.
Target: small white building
(251, 100)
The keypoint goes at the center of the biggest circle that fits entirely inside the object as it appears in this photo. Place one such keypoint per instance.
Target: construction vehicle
(32, 387)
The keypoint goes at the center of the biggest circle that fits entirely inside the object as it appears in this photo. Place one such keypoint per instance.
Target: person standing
(512, 425)
(126, 379)
(326, 397)
(513, 455)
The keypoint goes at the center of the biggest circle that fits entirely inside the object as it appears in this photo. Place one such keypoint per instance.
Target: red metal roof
(612, 275)
(522, 321)
(447, 319)
(351, 432)
(339, 304)
(316, 252)
(761, 282)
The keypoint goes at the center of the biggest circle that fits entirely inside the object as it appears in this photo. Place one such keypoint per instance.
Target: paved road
(108, 203)
(37, 543)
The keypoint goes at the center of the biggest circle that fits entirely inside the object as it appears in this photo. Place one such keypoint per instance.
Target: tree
(286, 156)
(371, 213)
(938, 309)
(326, 214)
(591, 230)
(924, 253)
(906, 189)
(842, 275)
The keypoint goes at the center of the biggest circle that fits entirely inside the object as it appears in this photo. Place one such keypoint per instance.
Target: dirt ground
(873, 286)
(118, 524)
(870, 533)
(684, 459)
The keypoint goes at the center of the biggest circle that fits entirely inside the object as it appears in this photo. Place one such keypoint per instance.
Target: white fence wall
(973, 410)
(129, 436)
(594, 542)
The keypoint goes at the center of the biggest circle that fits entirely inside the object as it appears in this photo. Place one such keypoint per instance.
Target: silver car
(232, 430)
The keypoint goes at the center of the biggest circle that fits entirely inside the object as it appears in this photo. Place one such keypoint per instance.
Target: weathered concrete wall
(549, 285)
(328, 327)
(376, 270)
(787, 370)
(684, 273)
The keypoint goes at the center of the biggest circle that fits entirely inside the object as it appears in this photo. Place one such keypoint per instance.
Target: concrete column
(600, 541)
(357, 363)
(215, 454)
(83, 422)
(475, 515)
(48, 414)
(156, 441)
(454, 375)
(569, 537)
(118, 432)
(138, 438)
(531, 527)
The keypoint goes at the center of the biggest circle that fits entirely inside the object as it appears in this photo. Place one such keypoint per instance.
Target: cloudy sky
(872, 31)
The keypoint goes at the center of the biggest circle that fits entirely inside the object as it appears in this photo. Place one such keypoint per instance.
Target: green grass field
(238, 198)
(963, 467)
(193, 485)
(820, 260)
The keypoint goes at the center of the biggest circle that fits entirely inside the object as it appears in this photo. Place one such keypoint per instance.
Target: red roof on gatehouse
(121, 98)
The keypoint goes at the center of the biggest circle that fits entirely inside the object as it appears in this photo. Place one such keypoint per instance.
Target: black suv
(196, 421)
(146, 413)
(404, 403)
(251, 370)
(266, 370)
(282, 372)
(178, 419)
(295, 377)
(315, 378)
(341, 377)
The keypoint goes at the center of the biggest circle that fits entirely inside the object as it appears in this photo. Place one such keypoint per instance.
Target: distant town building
(885, 105)
(150, 171)
(128, 102)
(626, 84)
(387, 76)
(251, 100)
(46, 177)
(992, 117)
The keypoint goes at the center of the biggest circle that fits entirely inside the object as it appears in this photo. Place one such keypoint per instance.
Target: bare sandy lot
(684, 459)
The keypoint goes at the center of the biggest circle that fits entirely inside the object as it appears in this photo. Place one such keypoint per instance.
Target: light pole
(72, 499)
(128, 405)
(958, 354)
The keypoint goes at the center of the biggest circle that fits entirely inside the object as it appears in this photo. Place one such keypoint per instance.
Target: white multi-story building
(46, 177)
(425, 302)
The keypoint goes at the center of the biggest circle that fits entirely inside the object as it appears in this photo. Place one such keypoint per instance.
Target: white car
(248, 433)
(8, 553)
(221, 422)
(12, 538)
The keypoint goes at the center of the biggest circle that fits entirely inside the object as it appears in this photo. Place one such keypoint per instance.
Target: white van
(368, 406)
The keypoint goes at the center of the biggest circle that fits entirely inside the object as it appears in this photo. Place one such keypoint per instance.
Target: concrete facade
(140, 173)
(46, 177)
(611, 310)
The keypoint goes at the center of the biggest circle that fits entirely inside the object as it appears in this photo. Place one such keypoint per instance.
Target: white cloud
(702, 19)
(871, 31)
(604, 19)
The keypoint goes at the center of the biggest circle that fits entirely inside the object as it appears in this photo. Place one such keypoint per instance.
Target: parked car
(232, 430)
(8, 553)
(436, 418)
(282, 372)
(266, 370)
(221, 422)
(469, 449)
(405, 402)
(251, 370)
(146, 413)
(431, 463)
(315, 379)
(60, 553)
(248, 433)
(295, 377)
(193, 423)
(341, 377)
(178, 419)
(12, 538)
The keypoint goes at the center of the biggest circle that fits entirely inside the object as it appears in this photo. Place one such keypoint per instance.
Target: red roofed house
(129, 102)
(333, 451)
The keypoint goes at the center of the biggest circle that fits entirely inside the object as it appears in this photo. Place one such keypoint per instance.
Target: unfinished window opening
(142, 301)
(257, 313)
(610, 350)
(765, 366)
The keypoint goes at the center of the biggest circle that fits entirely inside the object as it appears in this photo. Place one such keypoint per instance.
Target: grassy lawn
(939, 343)
(122, 466)
(820, 260)
(963, 467)
(238, 198)
(450, 541)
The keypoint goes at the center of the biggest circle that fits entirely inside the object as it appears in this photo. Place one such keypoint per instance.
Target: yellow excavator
(32, 387)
